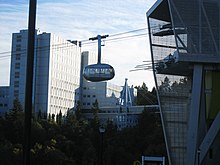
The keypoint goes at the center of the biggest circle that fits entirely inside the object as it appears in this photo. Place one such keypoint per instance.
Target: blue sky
(80, 20)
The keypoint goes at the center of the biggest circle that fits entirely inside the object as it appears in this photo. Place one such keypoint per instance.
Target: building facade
(56, 72)
(18, 67)
(4, 98)
(185, 50)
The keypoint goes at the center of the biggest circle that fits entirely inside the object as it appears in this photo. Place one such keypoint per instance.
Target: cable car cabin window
(98, 72)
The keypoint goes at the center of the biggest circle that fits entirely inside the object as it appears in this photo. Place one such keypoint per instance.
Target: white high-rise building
(56, 72)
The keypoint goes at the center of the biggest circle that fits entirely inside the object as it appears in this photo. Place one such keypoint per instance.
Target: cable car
(98, 72)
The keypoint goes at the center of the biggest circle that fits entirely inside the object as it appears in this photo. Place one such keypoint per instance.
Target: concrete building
(122, 117)
(56, 72)
(18, 67)
(114, 101)
(4, 98)
(107, 94)
(185, 50)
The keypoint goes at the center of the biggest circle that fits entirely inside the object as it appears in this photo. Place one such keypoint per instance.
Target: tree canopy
(73, 140)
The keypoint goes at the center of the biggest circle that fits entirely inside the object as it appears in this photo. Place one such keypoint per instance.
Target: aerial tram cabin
(100, 71)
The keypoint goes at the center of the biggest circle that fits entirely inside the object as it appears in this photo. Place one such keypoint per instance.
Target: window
(18, 49)
(17, 74)
(18, 36)
(16, 85)
(88, 95)
(17, 65)
(93, 95)
(18, 56)
(16, 92)
(16, 82)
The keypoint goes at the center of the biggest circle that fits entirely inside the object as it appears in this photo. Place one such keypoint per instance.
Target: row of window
(65, 67)
(62, 92)
(66, 58)
(88, 88)
(65, 76)
(17, 65)
(89, 96)
(3, 96)
(86, 103)
(17, 74)
(17, 56)
(16, 84)
(18, 38)
(16, 93)
(3, 105)
(56, 109)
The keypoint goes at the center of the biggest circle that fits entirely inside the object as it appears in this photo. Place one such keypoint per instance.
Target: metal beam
(209, 138)
(158, 98)
(194, 115)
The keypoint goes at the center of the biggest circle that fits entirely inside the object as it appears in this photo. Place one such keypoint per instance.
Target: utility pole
(29, 81)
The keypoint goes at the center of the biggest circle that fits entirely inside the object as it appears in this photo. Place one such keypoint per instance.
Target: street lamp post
(102, 131)
(198, 155)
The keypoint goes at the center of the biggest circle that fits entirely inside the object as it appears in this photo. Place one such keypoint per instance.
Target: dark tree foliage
(95, 110)
(145, 97)
(13, 124)
(78, 111)
(76, 141)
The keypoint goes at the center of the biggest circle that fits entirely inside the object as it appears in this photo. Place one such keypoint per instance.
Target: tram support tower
(185, 51)
(99, 38)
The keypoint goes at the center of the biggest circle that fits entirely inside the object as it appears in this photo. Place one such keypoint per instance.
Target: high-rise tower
(56, 72)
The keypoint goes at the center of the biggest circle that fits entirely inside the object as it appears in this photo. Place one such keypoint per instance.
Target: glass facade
(182, 33)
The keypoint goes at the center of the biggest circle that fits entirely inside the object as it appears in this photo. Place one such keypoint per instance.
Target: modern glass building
(185, 50)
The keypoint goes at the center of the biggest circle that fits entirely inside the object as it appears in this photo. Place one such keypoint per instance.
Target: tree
(70, 117)
(78, 111)
(144, 86)
(53, 117)
(16, 112)
(17, 105)
(165, 85)
(59, 118)
(78, 142)
(45, 115)
(14, 123)
(145, 97)
(95, 110)
(49, 117)
(39, 115)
